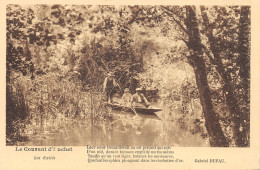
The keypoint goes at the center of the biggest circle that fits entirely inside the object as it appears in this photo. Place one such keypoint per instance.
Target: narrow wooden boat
(142, 110)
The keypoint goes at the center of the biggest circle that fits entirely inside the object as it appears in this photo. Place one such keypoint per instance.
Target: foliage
(49, 107)
(59, 55)
(223, 31)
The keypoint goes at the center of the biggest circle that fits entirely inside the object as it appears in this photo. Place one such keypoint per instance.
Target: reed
(51, 103)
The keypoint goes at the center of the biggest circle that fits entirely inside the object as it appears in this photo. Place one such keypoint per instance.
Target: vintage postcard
(130, 85)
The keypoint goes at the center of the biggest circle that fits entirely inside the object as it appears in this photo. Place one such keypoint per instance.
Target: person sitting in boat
(126, 98)
(109, 87)
(138, 99)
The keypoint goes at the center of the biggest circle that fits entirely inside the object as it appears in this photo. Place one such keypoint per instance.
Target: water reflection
(125, 129)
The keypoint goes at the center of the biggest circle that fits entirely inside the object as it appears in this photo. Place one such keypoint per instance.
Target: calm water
(126, 129)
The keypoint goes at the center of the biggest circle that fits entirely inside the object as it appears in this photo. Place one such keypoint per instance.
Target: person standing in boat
(126, 98)
(109, 87)
(138, 99)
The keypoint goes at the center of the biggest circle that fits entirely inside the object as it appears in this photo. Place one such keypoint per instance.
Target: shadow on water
(123, 129)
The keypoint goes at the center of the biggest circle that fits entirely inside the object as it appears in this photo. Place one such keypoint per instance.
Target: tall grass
(50, 103)
(16, 113)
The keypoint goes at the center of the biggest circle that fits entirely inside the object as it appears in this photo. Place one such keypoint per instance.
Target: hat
(138, 89)
(126, 90)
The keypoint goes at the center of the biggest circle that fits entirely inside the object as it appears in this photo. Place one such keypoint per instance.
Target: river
(124, 129)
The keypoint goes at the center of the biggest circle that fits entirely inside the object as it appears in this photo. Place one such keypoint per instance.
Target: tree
(18, 55)
(216, 135)
(217, 47)
(228, 41)
(86, 42)
(244, 72)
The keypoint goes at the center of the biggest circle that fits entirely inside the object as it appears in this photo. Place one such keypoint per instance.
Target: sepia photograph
(128, 75)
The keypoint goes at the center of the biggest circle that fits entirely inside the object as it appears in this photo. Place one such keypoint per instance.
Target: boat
(142, 110)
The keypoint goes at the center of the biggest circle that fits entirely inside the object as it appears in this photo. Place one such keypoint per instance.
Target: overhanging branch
(170, 14)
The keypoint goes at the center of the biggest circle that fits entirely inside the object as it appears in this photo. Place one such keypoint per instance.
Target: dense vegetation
(198, 60)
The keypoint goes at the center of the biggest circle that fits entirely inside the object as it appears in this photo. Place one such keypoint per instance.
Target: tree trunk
(244, 72)
(231, 100)
(216, 136)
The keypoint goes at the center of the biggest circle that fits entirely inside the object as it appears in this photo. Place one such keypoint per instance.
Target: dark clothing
(109, 84)
(109, 95)
(109, 88)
